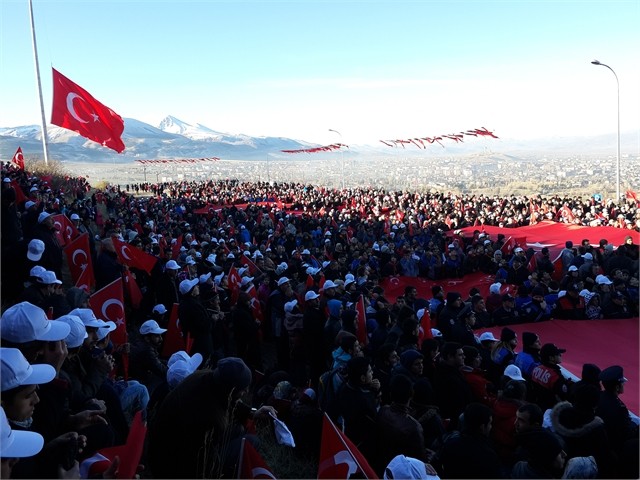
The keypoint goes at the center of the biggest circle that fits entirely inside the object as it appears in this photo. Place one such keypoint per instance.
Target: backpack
(329, 384)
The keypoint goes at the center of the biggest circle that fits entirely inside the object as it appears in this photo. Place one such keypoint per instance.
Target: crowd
(279, 297)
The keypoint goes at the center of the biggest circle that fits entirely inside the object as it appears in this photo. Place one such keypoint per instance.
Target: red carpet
(602, 342)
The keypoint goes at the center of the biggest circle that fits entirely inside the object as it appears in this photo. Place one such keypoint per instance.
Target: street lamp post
(341, 154)
(597, 62)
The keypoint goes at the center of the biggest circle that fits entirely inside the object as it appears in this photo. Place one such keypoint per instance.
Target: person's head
(349, 344)
(477, 419)
(509, 338)
(515, 390)
(20, 382)
(189, 288)
(454, 300)
(233, 376)
(15, 444)
(613, 379)
(359, 371)
(545, 450)
(413, 361)
(472, 356)
(452, 354)
(151, 332)
(528, 416)
(551, 354)
(531, 341)
(401, 389)
(387, 355)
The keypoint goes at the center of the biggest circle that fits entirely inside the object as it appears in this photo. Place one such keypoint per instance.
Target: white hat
(231, 255)
(573, 268)
(204, 277)
(151, 326)
(349, 281)
(160, 308)
(17, 443)
(305, 252)
(518, 250)
(37, 271)
(409, 468)
(77, 333)
(35, 250)
(289, 306)
(33, 189)
(488, 336)
(189, 260)
(75, 216)
(282, 281)
(603, 280)
(24, 322)
(49, 278)
(587, 256)
(28, 204)
(328, 284)
(88, 318)
(495, 287)
(245, 281)
(218, 278)
(436, 333)
(172, 265)
(514, 373)
(310, 295)
(181, 365)
(326, 263)
(312, 271)
(420, 313)
(6, 180)
(108, 327)
(349, 276)
(242, 270)
(187, 285)
(43, 216)
(17, 371)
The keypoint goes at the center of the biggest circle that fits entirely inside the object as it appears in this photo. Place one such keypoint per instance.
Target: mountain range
(174, 138)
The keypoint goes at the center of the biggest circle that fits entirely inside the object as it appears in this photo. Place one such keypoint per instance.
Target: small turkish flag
(18, 159)
(75, 109)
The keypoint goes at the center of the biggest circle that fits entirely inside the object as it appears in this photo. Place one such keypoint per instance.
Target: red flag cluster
(75, 109)
(179, 160)
(423, 141)
(326, 148)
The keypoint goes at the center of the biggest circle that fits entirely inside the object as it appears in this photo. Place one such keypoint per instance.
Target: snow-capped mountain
(173, 139)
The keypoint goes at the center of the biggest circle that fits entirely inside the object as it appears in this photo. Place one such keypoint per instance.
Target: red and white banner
(339, 457)
(79, 261)
(65, 229)
(133, 256)
(75, 109)
(108, 305)
(18, 159)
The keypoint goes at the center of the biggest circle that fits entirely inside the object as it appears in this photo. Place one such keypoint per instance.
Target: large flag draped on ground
(75, 109)
(339, 457)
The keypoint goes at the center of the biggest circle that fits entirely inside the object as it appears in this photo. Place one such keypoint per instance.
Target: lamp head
(596, 62)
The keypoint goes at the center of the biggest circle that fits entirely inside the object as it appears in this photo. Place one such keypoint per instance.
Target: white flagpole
(43, 122)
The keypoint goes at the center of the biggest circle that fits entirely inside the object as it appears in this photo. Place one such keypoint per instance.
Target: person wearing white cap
(27, 327)
(313, 321)
(195, 319)
(246, 332)
(283, 294)
(45, 231)
(145, 364)
(167, 288)
(181, 365)
(15, 444)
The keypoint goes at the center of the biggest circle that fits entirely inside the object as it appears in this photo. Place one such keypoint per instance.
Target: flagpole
(43, 123)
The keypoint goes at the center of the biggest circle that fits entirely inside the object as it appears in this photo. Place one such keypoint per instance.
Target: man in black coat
(195, 320)
(453, 393)
(313, 322)
(52, 256)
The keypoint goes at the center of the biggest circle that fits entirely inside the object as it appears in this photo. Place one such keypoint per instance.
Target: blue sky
(369, 69)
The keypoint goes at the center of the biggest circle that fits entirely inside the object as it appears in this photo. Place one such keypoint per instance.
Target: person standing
(550, 387)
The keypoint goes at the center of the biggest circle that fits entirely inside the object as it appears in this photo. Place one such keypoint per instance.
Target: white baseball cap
(187, 285)
(35, 250)
(49, 278)
(17, 443)
(17, 371)
(603, 280)
(75, 216)
(78, 332)
(24, 322)
(181, 365)
(310, 295)
(488, 336)
(151, 326)
(328, 284)
(43, 216)
(204, 277)
(282, 281)
(289, 306)
(172, 265)
(88, 318)
(108, 327)
(245, 281)
(160, 308)
(514, 373)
